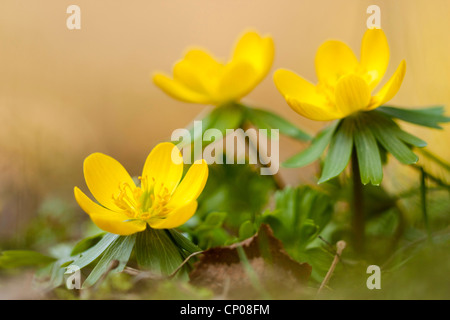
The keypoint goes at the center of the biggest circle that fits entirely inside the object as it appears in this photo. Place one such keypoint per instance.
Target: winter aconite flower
(345, 85)
(200, 78)
(161, 200)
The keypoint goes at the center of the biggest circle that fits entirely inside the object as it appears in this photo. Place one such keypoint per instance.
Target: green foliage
(340, 150)
(427, 117)
(246, 230)
(86, 244)
(315, 150)
(119, 250)
(369, 159)
(162, 251)
(399, 234)
(395, 140)
(23, 258)
(371, 135)
(85, 258)
(209, 233)
(300, 215)
(237, 190)
(264, 119)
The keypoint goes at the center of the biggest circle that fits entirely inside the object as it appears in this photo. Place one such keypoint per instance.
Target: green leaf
(319, 259)
(183, 242)
(246, 230)
(411, 139)
(228, 117)
(308, 232)
(93, 253)
(339, 151)
(369, 159)
(57, 271)
(314, 151)
(264, 119)
(119, 250)
(86, 244)
(156, 251)
(300, 214)
(383, 122)
(23, 258)
(387, 133)
(214, 220)
(428, 117)
(236, 189)
(209, 233)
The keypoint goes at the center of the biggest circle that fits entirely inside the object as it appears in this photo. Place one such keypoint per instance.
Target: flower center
(142, 202)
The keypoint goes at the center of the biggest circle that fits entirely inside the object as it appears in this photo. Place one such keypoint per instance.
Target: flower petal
(351, 94)
(165, 165)
(333, 60)
(107, 220)
(374, 55)
(238, 80)
(206, 71)
(103, 175)
(203, 61)
(187, 74)
(256, 50)
(192, 184)
(292, 85)
(178, 90)
(390, 89)
(176, 218)
(313, 112)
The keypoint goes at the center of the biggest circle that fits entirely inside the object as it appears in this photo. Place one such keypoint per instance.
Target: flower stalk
(357, 206)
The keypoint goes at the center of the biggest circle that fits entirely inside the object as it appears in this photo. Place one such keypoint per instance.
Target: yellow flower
(161, 200)
(345, 84)
(200, 78)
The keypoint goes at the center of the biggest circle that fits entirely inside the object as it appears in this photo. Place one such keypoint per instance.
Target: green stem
(357, 206)
(423, 198)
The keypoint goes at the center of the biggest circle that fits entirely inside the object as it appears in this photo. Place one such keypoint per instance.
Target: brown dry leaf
(277, 274)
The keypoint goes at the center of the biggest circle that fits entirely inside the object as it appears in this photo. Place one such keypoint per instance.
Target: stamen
(141, 202)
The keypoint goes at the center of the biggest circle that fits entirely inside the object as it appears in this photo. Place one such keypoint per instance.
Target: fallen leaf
(266, 270)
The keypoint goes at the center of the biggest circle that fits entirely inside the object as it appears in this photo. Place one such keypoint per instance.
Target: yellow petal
(208, 71)
(313, 112)
(178, 90)
(237, 81)
(292, 85)
(165, 165)
(186, 73)
(374, 55)
(176, 218)
(256, 50)
(107, 220)
(203, 61)
(192, 184)
(390, 89)
(103, 175)
(351, 94)
(333, 60)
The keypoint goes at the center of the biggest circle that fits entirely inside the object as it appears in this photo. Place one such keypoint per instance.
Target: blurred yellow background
(67, 93)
